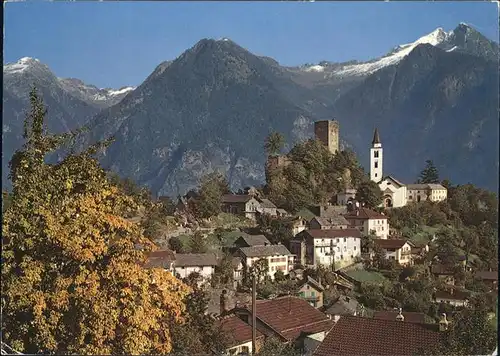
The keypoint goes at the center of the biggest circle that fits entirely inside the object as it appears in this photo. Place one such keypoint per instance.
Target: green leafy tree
(274, 143)
(209, 203)
(369, 193)
(470, 333)
(176, 244)
(279, 276)
(274, 347)
(260, 268)
(197, 243)
(224, 270)
(72, 280)
(371, 296)
(201, 334)
(429, 174)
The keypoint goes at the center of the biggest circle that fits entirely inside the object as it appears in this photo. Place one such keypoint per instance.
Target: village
(319, 289)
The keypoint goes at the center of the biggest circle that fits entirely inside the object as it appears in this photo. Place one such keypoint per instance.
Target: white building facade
(396, 194)
(369, 221)
(331, 247)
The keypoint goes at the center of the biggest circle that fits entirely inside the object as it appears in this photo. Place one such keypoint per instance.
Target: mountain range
(213, 106)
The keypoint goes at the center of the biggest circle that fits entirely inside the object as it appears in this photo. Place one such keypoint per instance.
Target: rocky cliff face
(212, 108)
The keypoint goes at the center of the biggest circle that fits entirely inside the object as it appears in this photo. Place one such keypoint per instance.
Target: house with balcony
(243, 205)
(368, 221)
(278, 258)
(398, 250)
(312, 291)
(330, 247)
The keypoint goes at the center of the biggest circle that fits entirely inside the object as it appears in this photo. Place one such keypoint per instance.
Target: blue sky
(113, 44)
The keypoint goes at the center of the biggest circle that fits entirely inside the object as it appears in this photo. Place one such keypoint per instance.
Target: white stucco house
(422, 192)
(368, 221)
(396, 249)
(202, 263)
(338, 247)
(278, 258)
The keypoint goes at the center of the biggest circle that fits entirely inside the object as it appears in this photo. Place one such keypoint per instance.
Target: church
(395, 193)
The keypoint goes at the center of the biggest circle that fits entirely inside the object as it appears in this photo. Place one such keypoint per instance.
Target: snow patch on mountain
(20, 66)
(434, 38)
(120, 91)
(315, 68)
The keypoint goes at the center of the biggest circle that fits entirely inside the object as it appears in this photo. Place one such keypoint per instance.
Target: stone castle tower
(327, 131)
(376, 158)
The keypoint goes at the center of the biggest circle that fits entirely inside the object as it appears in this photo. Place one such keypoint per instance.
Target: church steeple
(376, 137)
(376, 158)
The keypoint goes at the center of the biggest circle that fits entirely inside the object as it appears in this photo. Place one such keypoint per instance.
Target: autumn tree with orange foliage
(73, 281)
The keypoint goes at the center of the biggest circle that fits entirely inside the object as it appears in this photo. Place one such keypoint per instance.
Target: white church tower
(376, 158)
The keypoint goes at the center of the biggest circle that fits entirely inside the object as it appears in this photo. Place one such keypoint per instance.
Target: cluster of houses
(292, 320)
(330, 237)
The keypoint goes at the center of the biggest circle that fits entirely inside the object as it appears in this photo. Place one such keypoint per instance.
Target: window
(345, 239)
(376, 175)
(341, 257)
(376, 164)
(313, 294)
(245, 349)
(375, 154)
(354, 248)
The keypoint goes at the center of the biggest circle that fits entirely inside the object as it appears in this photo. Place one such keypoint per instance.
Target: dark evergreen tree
(429, 174)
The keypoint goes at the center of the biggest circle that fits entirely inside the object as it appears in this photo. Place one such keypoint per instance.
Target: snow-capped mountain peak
(21, 65)
(434, 38)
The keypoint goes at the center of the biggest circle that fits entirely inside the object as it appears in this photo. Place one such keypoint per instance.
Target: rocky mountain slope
(212, 107)
(71, 103)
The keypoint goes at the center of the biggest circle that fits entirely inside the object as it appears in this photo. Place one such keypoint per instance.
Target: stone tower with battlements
(327, 131)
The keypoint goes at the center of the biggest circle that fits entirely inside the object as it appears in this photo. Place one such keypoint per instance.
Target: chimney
(400, 316)
(223, 302)
(443, 323)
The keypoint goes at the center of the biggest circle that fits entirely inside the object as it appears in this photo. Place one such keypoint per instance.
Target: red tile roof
(290, 316)
(359, 336)
(237, 331)
(390, 243)
(333, 233)
(364, 214)
(409, 317)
